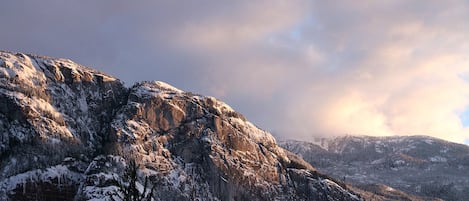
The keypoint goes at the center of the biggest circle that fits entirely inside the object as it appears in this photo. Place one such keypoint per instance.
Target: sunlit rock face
(50, 109)
(65, 126)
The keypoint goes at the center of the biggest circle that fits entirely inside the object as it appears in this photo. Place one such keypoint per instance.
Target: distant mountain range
(68, 132)
(415, 165)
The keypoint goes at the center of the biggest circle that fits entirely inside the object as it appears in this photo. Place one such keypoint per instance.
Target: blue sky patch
(465, 118)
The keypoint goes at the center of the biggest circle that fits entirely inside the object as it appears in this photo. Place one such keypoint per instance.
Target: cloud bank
(296, 68)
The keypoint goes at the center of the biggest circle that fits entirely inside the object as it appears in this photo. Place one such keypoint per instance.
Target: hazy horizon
(295, 68)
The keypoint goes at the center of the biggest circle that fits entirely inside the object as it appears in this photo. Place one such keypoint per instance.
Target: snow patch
(167, 87)
(83, 104)
(428, 141)
(390, 189)
(399, 162)
(59, 172)
(438, 159)
(220, 106)
(379, 161)
(256, 134)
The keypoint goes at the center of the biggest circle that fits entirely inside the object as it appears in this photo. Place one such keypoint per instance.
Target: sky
(299, 69)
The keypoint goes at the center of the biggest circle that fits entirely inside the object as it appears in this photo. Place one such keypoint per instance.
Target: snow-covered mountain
(68, 132)
(418, 165)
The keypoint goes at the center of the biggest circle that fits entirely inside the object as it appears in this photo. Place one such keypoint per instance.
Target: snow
(428, 141)
(330, 183)
(438, 159)
(254, 133)
(100, 193)
(378, 150)
(83, 104)
(58, 172)
(157, 89)
(444, 150)
(133, 129)
(220, 106)
(379, 161)
(20, 133)
(22, 69)
(399, 162)
(390, 189)
(40, 111)
(106, 78)
(8, 73)
(167, 87)
(54, 140)
(176, 177)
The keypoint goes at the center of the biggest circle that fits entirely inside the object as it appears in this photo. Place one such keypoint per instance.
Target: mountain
(417, 165)
(68, 132)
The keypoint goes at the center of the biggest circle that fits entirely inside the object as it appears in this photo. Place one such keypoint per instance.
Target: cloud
(296, 68)
(245, 24)
(394, 75)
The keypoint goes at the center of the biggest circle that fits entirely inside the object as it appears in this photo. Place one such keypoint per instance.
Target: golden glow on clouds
(376, 73)
(297, 68)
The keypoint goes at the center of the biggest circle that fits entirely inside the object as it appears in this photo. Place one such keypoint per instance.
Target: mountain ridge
(417, 165)
(68, 133)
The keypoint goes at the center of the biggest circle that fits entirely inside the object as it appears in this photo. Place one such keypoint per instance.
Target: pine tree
(128, 186)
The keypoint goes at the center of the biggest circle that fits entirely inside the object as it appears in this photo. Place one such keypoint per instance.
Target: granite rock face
(73, 131)
(50, 109)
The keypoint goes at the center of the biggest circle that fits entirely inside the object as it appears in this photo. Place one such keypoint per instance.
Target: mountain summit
(69, 132)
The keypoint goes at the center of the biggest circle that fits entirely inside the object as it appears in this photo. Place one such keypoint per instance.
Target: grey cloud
(349, 67)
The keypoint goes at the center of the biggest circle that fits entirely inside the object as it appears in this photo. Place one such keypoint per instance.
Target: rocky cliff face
(51, 108)
(417, 165)
(68, 132)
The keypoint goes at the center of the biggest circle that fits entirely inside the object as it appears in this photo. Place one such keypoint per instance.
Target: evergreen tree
(128, 186)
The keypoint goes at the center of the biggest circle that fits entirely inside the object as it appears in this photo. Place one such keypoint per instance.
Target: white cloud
(374, 69)
(398, 76)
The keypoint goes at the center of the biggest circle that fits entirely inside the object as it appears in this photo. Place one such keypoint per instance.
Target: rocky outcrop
(169, 130)
(62, 118)
(50, 109)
